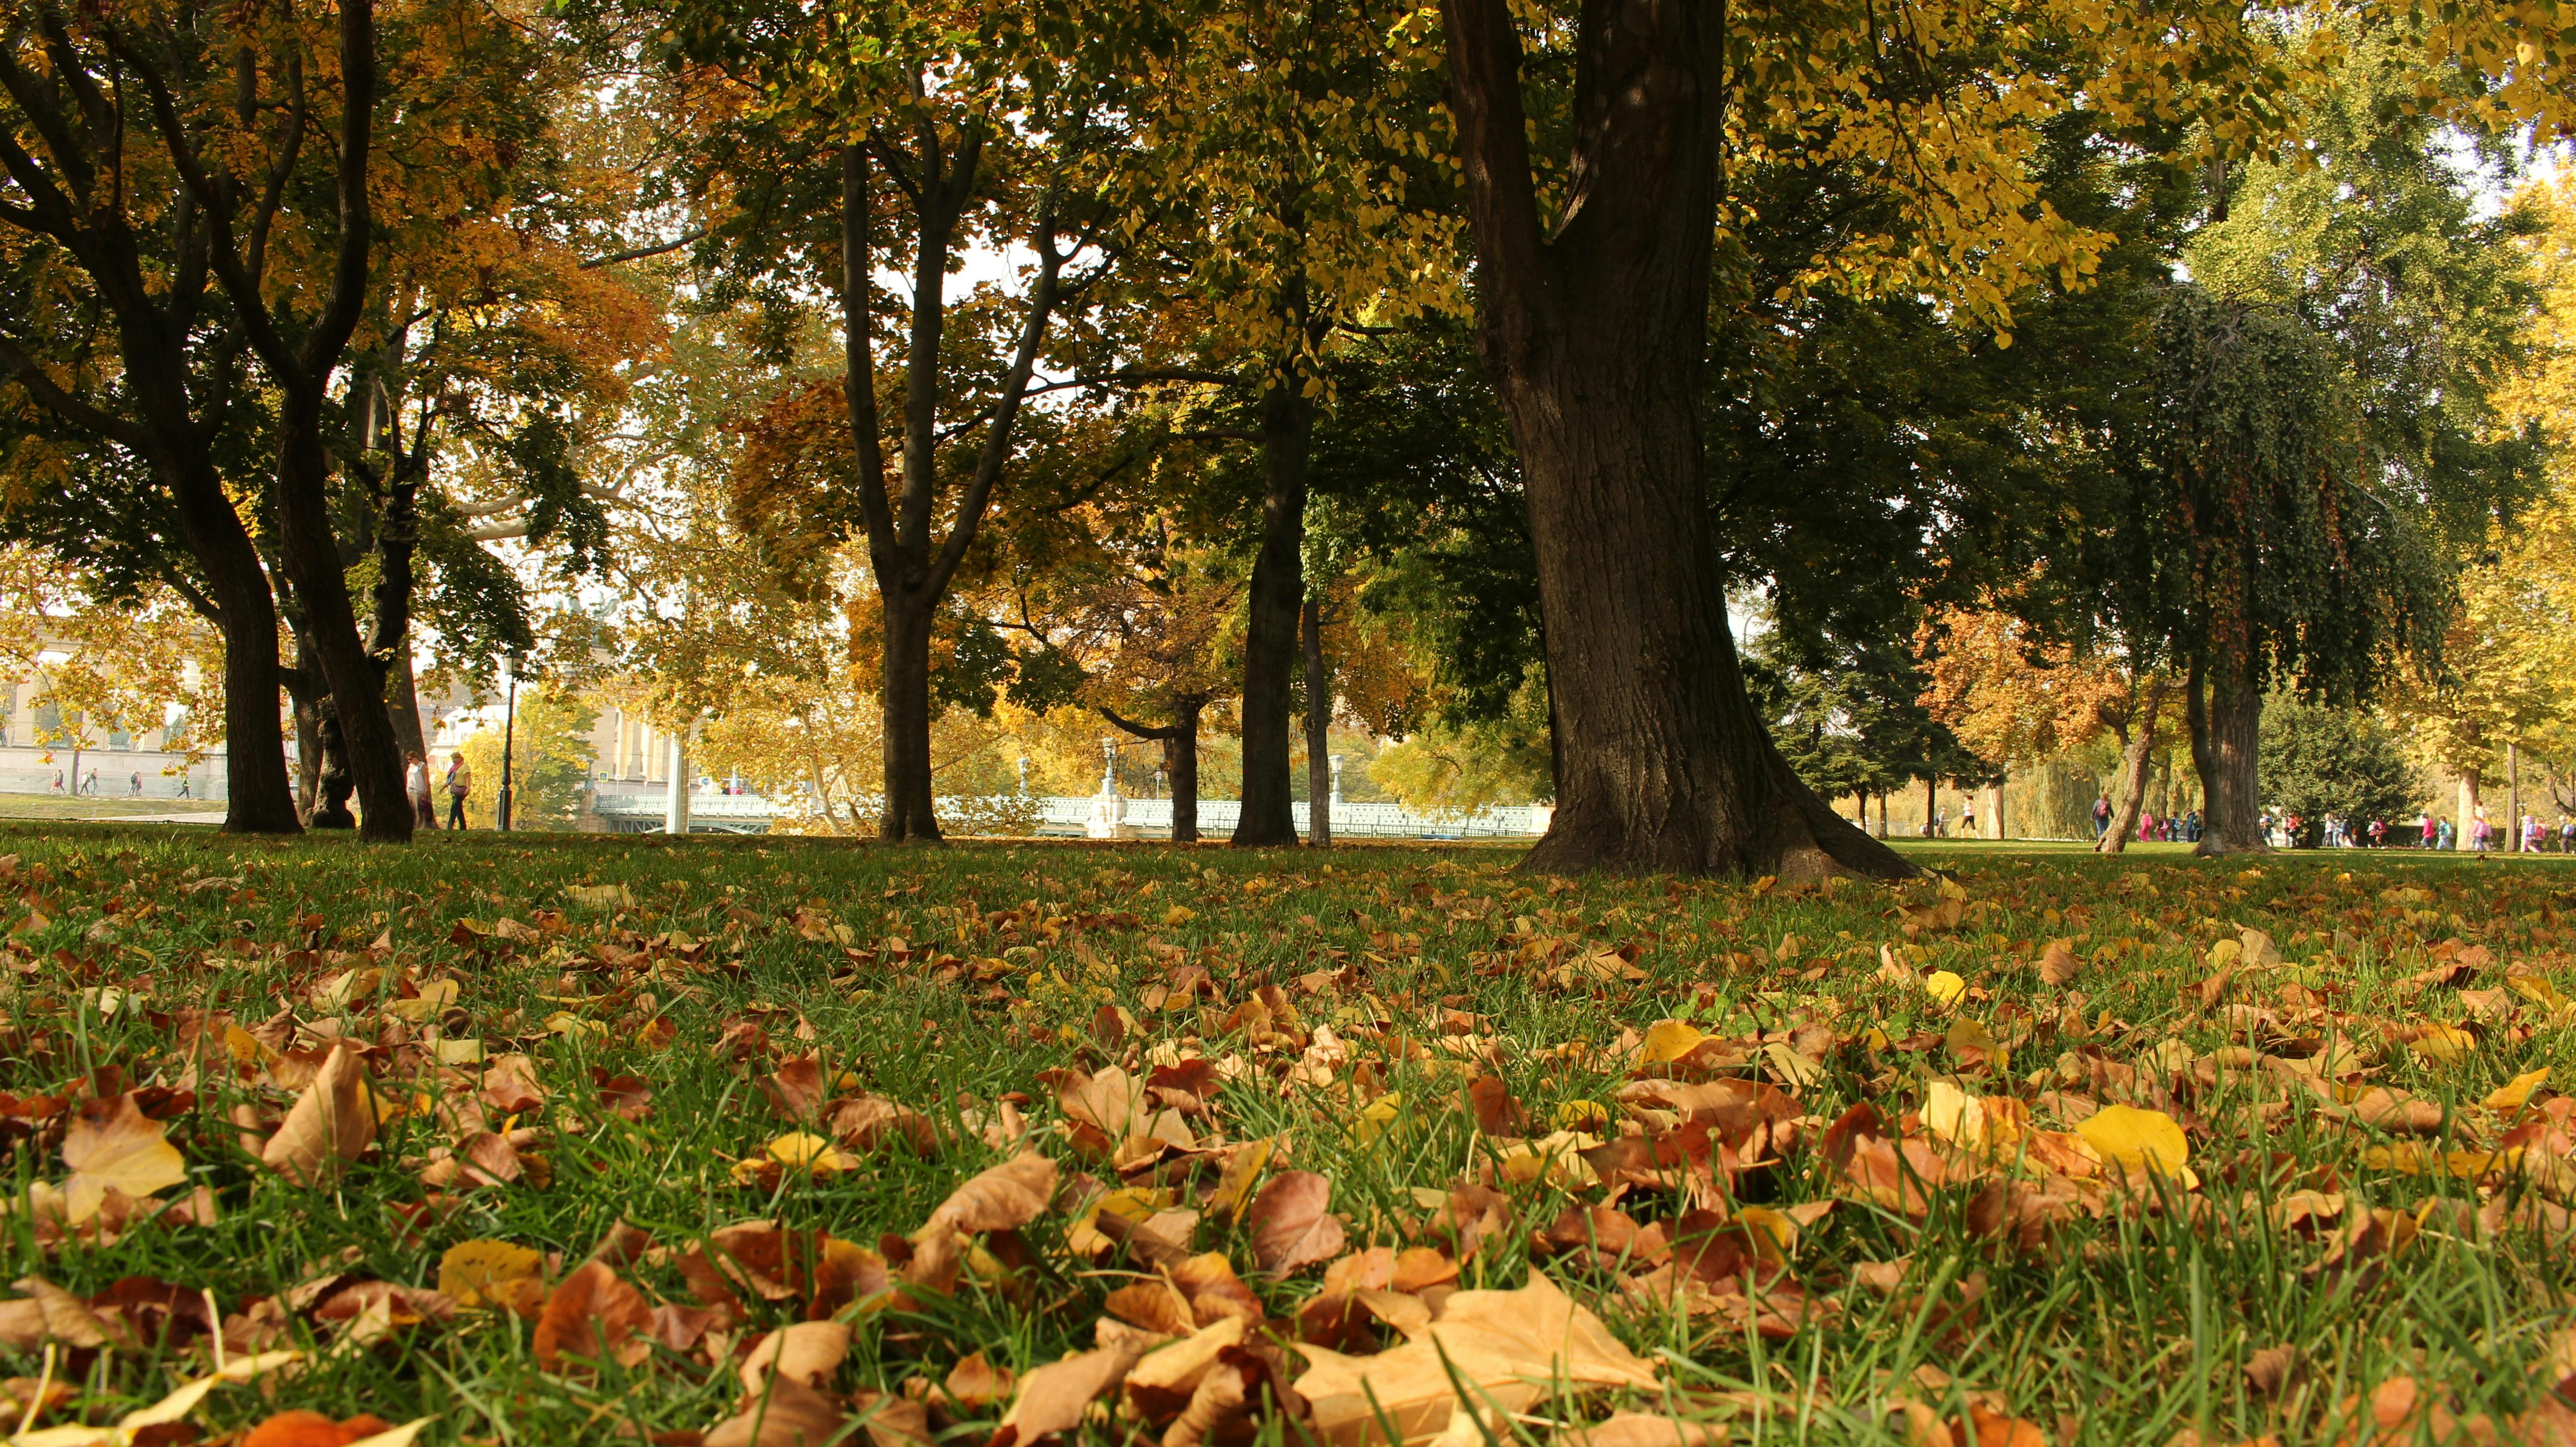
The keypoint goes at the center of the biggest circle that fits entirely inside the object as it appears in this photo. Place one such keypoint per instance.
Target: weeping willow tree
(2265, 546)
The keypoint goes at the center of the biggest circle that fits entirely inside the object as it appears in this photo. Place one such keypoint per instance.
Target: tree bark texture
(1273, 603)
(2472, 793)
(1596, 335)
(2224, 753)
(2137, 752)
(903, 699)
(1319, 723)
(259, 799)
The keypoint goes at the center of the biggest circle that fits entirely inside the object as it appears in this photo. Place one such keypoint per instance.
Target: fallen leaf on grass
(1508, 1348)
(593, 1314)
(1055, 1397)
(333, 1122)
(1290, 1225)
(975, 1383)
(2141, 1141)
(493, 1273)
(788, 1414)
(1638, 1429)
(111, 1145)
(1986, 1428)
(312, 1429)
(167, 1412)
(2514, 1094)
(48, 1313)
(2057, 963)
(808, 1353)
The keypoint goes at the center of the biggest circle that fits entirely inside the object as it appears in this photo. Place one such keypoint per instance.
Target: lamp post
(509, 728)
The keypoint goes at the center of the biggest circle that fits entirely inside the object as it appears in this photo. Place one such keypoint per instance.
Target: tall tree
(913, 135)
(1305, 199)
(1593, 292)
(117, 331)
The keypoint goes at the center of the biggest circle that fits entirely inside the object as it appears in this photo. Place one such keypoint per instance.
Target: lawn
(113, 806)
(553, 1140)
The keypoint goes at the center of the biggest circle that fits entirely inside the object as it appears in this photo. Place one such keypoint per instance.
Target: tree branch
(640, 253)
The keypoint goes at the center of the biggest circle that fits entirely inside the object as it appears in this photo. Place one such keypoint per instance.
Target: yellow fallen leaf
(599, 896)
(1377, 1118)
(2514, 1094)
(1944, 987)
(488, 1273)
(2445, 1044)
(802, 1151)
(1179, 914)
(1668, 1040)
(2140, 1140)
(1582, 1115)
(113, 1145)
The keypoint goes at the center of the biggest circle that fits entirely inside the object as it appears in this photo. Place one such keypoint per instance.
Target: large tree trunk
(258, 798)
(903, 701)
(1181, 763)
(1319, 724)
(1596, 334)
(1270, 629)
(2137, 753)
(312, 557)
(2224, 731)
(2472, 788)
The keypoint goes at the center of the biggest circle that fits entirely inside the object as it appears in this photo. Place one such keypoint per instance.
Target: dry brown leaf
(975, 1383)
(332, 1122)
(789, 1414)
(1510, 1347)
(510, 1085)
(593, 1313)
(1004, 1198)
(1290, 1225)
(46, 1312)
(1993, 1429)
(807, 1353)
(1054, 1397)
(2057, 963)
(795, 1089)
(1639, 1429)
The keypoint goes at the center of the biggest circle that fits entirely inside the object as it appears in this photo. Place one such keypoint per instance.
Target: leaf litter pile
(511, 1141)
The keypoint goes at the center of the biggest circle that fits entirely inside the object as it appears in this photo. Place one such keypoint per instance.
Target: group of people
(2485, 838)
(88, 785)
(2172, 829)
(424, 803)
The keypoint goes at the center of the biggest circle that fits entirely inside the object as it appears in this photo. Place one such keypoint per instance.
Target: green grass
(65, 806)
(2129, 1326)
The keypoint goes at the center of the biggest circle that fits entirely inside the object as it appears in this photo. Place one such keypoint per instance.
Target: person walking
(1967, 816)
(2191, 827)
(424, 805)
(89, 785)
(58, 781)
(134, 785)
(183, 788)
(2432, 833)
(2531, 834)
(2101, 815)
(2445, 834)
(2378, 832)
(2146, 825)
(460, 782)
(2567, 833)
